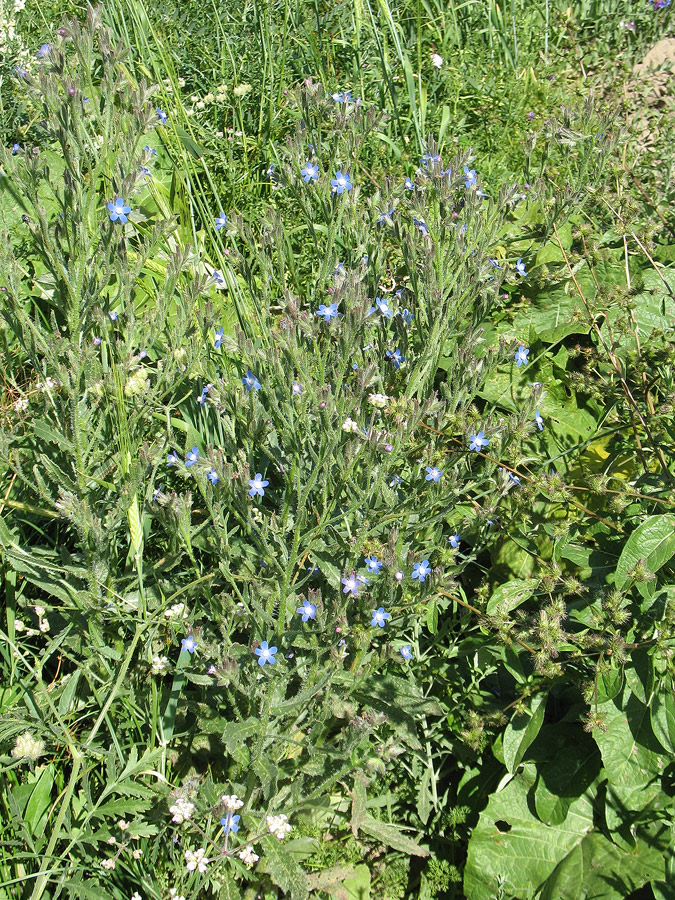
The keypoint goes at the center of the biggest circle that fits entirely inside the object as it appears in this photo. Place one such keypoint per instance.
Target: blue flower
(270, 171)
(433, 474)
(351, 585)
(421, 570)
(44, 51)
(343, 97)
(407, 316)
(213, 477)
(477, 441)
(470, 177)
(119, 211)
(172, 459)
(396, 358)
(221, 221)
(202, 397)
(383, 307)
(406, 653)
(427, 158)
(307, 611)
(539, 421)
(373, 564)
(113, 316)
(454, 540)
(341, 182)
(150, 150)
(521, 355)
(161, 115)
(145, 171)
(520, 268)
(218, 278)
(421, 226)
(494, 263)
(447, 172)
(409, 183)
(296, 389)
(380, 617)
(328, 312)
(310, 172)
(257, 486)
(384, 218)
(192, 457)
(16, 148)
(395, 481)
(250, 381)
(266, 654)
(229, 822)
(188, 643)
(219, 339)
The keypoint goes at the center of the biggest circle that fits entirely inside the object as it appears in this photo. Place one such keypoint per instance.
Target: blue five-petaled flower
(433, 474)
(478, 441)
(470, 177)
(189, 644)
(328, 312)
(520, 268)
(380, 617)
(307, 611)
(249, 381)
(395, 357)
(421, 570)
(341, 183)
(373, 564)
(161, 115)
(192, 457)
(119, 211)
(257, 486)
(539, 421)
(406, 653)
(221, 221)
(219, 339)
(229, 822)
(351, 584)
(310, 172)
(266, 654)
(521, 355)
(213, 477)
(454, 540)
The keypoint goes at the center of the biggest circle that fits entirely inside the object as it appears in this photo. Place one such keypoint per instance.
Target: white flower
(28, 747)
(350, 425)
(44, 626)
(19, 5)
(136, 896)
(19, 625)
(178, 609)
(437, 60)
(196, 859)
(39, 610)
(122, 825)
(112, 839)
(173, 895)
(181, 811)
(21, 404)
(137, 855)
(248, 857)
(278, 826)
(378, 400)
(231, 802)
(108, 864)
(159, 664)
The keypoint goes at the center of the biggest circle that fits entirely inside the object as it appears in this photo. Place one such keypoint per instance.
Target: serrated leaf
(508, 596)
(522, 730)
(236, 734)
(392, 837)
(653, 542)
(284, 870)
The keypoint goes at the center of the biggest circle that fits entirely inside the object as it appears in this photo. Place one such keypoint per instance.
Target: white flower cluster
(349, 425)
(181, 811)
(174, 895)
(28, 747)
(248, 857)
(159, 665)
(176, 611)
(378, 400)
(196, 859)
(231, 802)
(278, 826)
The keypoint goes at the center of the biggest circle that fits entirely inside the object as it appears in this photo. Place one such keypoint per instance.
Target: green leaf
(653, 542)
(522, 730)
(662, 713)
(510, 595)
(568, 775)
(511, 851)
(235, 735)
(283, 869)
(392, 837)
(37, 808)
(357, 886)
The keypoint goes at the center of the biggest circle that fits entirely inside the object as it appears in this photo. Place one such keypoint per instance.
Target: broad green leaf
(522, 730)
(632, 757)
(357, 885)
(37, 808)
(283, 869)
(639, 673)
(662, 712)
(608, 685)
(567, 776)
(599, 869)
(512, 851)
(510, 595)
(236, 734)
(392, 837)
(653, 542)
(359, 803)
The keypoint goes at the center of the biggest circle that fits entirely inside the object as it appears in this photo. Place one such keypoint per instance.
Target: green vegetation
(336, 462)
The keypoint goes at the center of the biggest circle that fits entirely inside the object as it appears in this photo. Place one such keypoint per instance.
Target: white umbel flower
(278, 826)
(248, 857)
(181, 811)
(231, 802)
(28, 747)
(196, 859)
